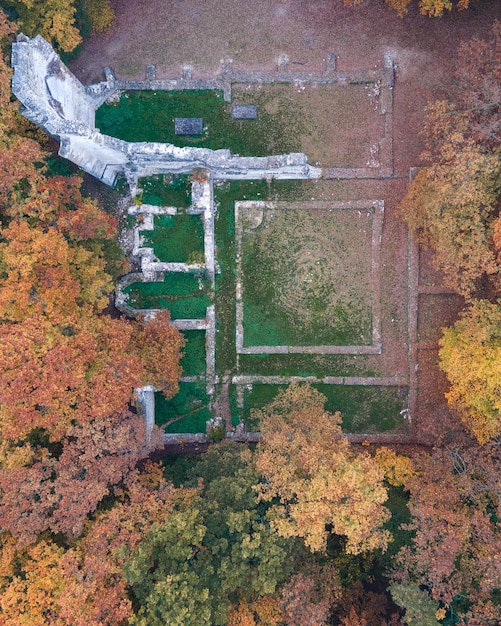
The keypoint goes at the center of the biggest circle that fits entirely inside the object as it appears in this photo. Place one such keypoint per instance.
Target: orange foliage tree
(69, 375)
(449, 205)
(150, 343)
(83, 585)
(457, 536)
(20, 157)
(307, 599)
(68, 370)
(453, 201)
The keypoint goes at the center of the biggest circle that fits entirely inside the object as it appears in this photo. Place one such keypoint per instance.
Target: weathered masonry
(54, 99)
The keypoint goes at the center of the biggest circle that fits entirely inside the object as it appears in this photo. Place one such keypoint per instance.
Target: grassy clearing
(187, 411)
(177, 238)
(364, 409)
(335, 125)
(235, 411)
(226, 195)
(149, 116)
(193, 361)
(306, 276)
(166, 190)
(318, 365)
(339, 122)
(185, 295)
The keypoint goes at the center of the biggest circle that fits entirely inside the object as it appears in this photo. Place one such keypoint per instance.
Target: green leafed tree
(210, 555)
(420, 609)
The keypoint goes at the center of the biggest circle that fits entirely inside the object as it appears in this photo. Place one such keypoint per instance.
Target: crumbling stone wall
(54, 99)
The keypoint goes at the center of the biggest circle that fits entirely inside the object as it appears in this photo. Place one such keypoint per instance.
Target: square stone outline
(377, 228)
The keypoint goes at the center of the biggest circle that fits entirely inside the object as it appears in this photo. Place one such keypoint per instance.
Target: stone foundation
(55, 100)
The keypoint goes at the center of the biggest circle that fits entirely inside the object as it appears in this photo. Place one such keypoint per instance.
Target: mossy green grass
(184, 294)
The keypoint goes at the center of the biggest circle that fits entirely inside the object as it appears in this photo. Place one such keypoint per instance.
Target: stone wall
(51, 95)
(54, 99)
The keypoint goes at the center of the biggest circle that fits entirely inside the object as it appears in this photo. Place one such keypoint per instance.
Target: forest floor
(255, 36)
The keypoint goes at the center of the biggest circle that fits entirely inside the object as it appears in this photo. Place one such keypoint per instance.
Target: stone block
(151, 72)
(188, 125)
(244, 111)
(331, 62)
(109, 74)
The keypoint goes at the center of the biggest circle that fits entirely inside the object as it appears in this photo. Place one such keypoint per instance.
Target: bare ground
(202, 33)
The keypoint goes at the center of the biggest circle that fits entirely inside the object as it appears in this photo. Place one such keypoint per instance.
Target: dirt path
(221, 405)
(201, 33)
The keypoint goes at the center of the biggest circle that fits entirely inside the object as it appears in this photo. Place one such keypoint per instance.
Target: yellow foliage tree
(320, 483)
(432, 8)
(100, 13)
(396, 467)
(53, 19)
(31, 598)
(470, 355)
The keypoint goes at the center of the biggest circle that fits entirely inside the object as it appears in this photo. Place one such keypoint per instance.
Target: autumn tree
(30, 598)
(321, 485)
(69, 372)
(470, 355)
(61, 22)
(397, 468)
(53, 19)
(100, 13)
(420, 609)
(453, 554)
(82, 584)
(68, 379)
(189, 567)
(19, 155)
(478, 90)
(432, 8)
(449, 204)
(150, 342)
(56, 486)
(452, 202)
(360, 606)
(308, 598)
